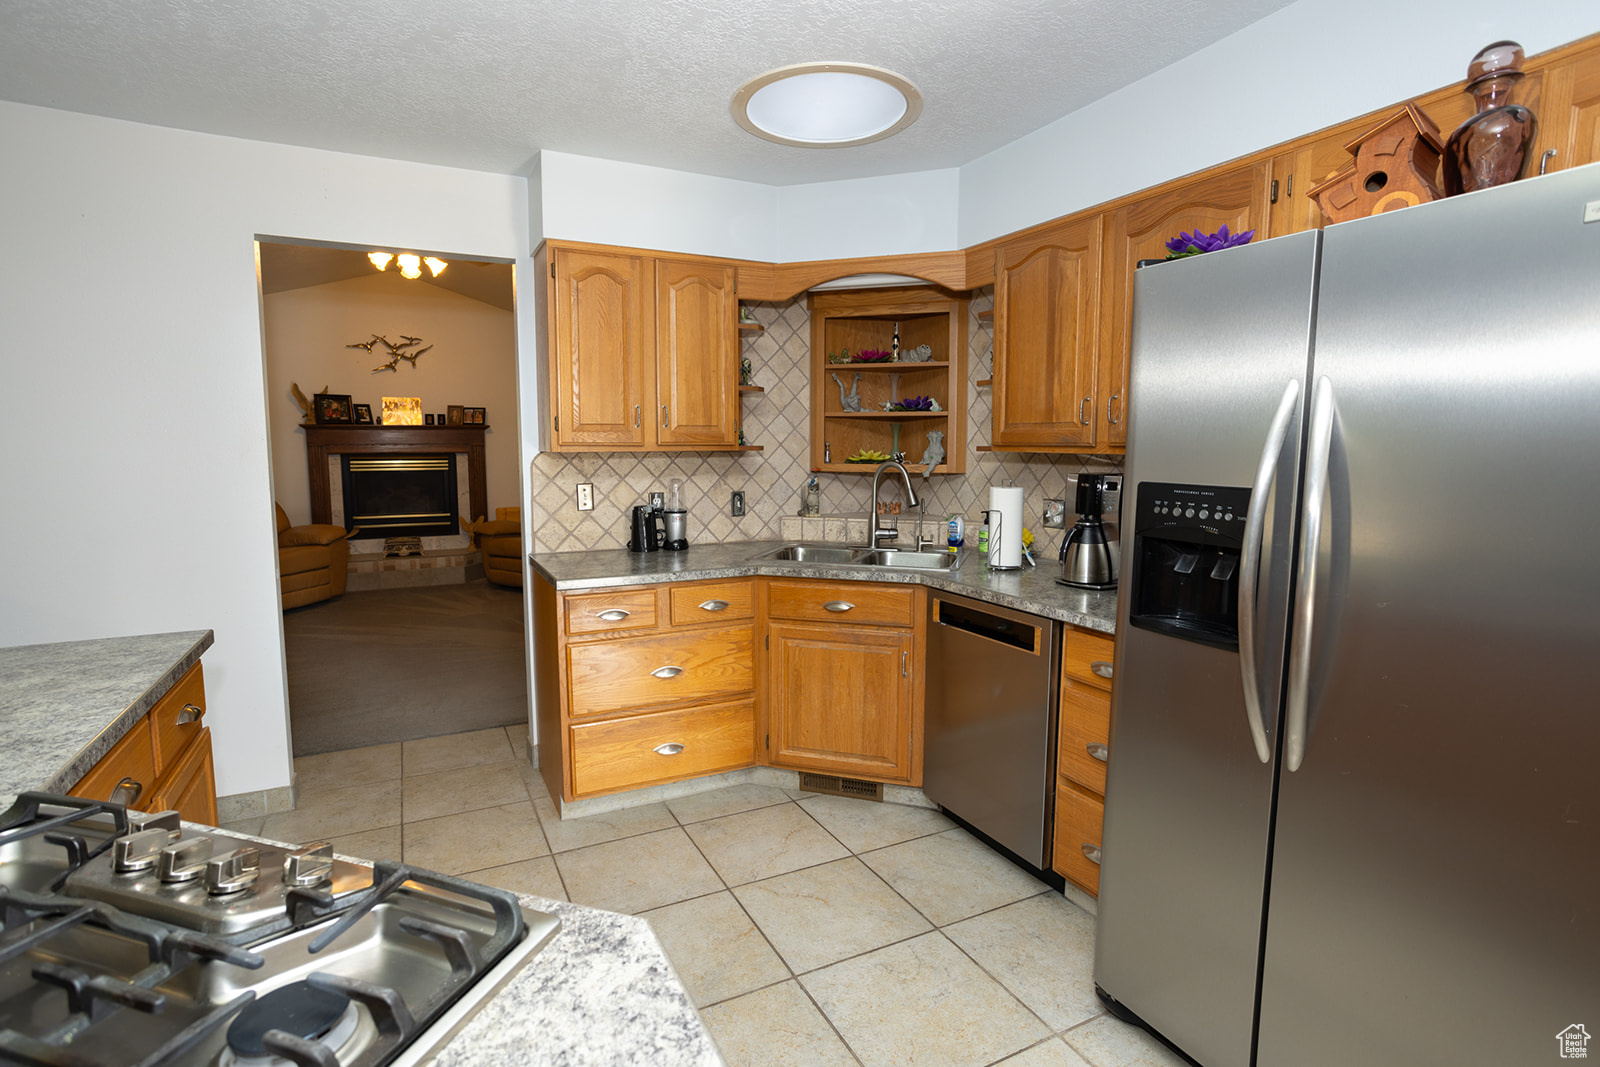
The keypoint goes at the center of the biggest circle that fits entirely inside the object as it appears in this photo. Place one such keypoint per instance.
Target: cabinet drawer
(613, 610)
(850, 602)
(1087, 657)
(1079, 816)
(626, 753)
(1085, 724)
(188, 786)
(712, 602)
(131, 757)
(171, 735)
(619, 676)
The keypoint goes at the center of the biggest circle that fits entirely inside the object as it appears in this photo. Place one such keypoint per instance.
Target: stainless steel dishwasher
(989, 746)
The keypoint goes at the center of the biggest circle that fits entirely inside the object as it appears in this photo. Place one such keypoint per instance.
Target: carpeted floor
(402, 664)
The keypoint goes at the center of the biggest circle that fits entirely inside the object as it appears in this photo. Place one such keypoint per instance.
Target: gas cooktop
(128, 940)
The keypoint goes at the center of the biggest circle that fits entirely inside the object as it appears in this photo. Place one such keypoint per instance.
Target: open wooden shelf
(892, 416)
(984, 383)
(986, 315)
(902, 367)
(752, 327)
(752, 388)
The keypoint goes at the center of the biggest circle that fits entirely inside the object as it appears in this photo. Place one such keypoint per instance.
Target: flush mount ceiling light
(410, 264)
(826, 105)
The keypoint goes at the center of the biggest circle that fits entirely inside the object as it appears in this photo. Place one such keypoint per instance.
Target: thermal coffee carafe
(646, 530)
(1088, 557)
(677, 520)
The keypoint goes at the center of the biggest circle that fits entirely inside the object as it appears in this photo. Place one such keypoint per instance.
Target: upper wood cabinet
(1237, 198)
(1046, 312)
(643, 352)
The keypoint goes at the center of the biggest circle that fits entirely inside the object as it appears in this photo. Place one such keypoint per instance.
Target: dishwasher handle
(994, 627)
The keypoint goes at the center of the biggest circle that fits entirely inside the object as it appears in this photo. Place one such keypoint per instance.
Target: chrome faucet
(878, 532)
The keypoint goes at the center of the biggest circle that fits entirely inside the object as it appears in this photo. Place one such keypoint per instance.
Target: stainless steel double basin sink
(845, 556)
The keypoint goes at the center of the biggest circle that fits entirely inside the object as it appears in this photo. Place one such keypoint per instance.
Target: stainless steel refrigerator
(1353, 803)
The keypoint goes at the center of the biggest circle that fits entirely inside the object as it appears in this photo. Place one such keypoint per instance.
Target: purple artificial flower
(1193, 244)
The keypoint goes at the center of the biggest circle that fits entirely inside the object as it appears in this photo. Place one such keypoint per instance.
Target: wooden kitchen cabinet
(1083, 740)
(643, 351)
(1046, 329)
(644, 685)
(844, 667)
(165, 757)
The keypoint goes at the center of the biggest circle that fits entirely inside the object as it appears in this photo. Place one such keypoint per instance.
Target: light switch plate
(1591, 211)
(585, 496)
(1055, 514)
(736, 503)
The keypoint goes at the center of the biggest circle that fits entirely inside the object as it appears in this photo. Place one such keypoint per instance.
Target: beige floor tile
(766, 842)
(863, 825)
(1042, 949)
(568, 834)
(775, 1027)
(473, 840)
(428, 796)
(1109, 1042)
(336, 812)
(250, 826)
(536, 876)
(715, 803)
(456, 750)
(380, 844)
(822, 915)
(1052, 1053)
(919, 1002)
(715, 948)
(638, 873)
(952, 876)
(517, 737)
(354, 766)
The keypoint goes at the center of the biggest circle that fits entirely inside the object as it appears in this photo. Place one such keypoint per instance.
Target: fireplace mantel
(323, 441)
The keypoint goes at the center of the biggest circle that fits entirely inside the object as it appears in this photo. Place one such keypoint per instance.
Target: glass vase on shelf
(1491, 147)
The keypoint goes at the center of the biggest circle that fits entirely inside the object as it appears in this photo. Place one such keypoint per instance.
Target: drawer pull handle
(190, 713)
(838, 605)
(714, 605)
(1098, 751)
(126, 792)
(667, 672)
(1091, 852)
(671, 748)
(1101, 667)
(615, 615)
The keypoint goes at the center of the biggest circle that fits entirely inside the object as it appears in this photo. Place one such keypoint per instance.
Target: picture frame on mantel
(475, 416)
(333, 409)
(455, 415)
(363, 414)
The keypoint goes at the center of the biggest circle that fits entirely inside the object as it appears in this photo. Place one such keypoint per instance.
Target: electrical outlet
(1055, 514)
(658, 501)
(736, 505)
(585, 496)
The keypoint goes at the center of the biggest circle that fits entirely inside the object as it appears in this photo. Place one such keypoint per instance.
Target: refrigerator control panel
(1199, 514)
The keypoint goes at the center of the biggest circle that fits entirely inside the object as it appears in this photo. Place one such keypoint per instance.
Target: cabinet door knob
(615, 615)
(638, 414)
(1091, 852)
(663, 416)
(1109, 401)
(671, 748)
(838, 605)
(1098, 751)
(1101, 668)
(667, 672)
(191, 713)
(126, 792)
(1083, 410)
(714, 605)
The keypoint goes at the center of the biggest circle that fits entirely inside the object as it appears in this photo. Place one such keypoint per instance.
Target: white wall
(137, 491)
(1309, 65)
(472, 360)
(891, 215)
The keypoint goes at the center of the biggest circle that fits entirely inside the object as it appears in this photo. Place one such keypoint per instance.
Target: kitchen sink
(840, 555)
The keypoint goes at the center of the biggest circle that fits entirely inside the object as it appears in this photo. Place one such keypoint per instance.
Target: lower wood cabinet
(1083, 738)
(163, 763)
(661, 747)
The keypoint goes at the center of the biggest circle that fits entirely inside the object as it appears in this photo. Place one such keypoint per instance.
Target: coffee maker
(1089, 557)
(646, 530)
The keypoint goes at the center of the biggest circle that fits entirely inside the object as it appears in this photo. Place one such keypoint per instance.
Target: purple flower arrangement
(913, 403)
(1196, 243)
(872, 355)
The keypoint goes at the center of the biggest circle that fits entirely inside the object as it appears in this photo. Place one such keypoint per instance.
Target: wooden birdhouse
(1394, 168)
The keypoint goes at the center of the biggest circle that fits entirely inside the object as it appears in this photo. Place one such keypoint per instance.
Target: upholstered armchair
(501, 544)
(312, 562)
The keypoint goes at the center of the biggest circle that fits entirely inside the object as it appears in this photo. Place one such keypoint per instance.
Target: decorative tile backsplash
(773, 480)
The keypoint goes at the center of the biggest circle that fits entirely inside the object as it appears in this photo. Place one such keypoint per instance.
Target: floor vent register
(841, 787)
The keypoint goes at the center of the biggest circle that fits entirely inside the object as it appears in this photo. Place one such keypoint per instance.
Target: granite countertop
(62, 706)
(1031, 589)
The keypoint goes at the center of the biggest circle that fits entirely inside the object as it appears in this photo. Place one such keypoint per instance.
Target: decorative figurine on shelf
(933, 455)
(1393, 168)
(850, 401)
(920, 354)
(746, 369)
(1491, 147)
(894, 345)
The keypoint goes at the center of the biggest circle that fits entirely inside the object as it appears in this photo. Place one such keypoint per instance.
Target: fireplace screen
(401, 496)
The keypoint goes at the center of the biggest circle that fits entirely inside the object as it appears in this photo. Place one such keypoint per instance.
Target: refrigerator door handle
(1250, 576)
(1319, 446)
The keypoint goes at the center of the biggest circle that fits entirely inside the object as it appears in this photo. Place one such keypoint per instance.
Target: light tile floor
(808, 929)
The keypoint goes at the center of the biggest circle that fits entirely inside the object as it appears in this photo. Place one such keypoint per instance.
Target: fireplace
(327, 447)
(400, 495)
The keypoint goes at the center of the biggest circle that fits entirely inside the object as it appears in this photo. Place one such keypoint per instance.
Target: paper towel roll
(1005, 543)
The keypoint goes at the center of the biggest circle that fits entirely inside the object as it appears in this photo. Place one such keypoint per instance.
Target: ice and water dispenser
(1183, 579)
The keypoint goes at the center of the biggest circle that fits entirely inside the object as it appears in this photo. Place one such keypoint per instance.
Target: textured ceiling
(487, 84)
(286, 266)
